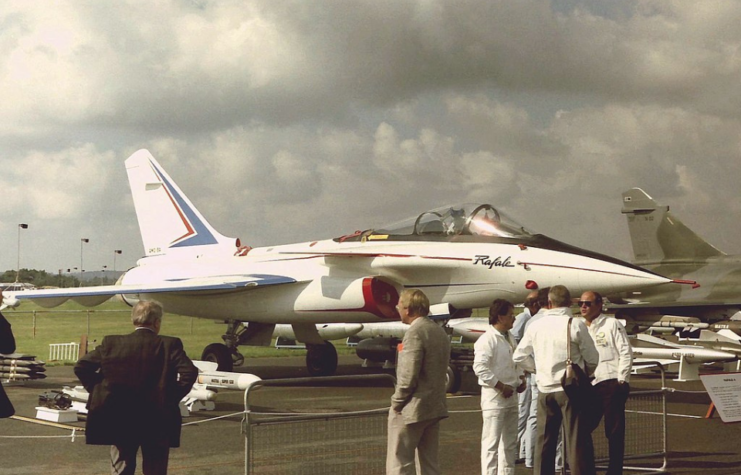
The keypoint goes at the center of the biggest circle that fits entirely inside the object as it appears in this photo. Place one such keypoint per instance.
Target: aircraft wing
(91, 296)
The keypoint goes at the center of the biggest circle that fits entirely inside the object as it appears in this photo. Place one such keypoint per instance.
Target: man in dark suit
(418, 403)
(135, 383)
(7, 346)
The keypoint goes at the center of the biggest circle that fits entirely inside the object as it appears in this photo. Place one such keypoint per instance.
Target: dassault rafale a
(663, 244)
(461, 256)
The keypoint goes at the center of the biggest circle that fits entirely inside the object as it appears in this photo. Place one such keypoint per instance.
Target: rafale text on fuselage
(496, 262)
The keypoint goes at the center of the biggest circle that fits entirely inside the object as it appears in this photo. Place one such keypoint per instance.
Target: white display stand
(56, 415)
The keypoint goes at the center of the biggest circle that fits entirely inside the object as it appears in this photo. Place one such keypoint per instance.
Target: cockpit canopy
(463, 219)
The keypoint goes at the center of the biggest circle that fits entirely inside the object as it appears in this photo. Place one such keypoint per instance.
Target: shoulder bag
(575, 382)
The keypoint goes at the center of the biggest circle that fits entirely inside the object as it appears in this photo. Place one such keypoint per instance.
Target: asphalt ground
(696, 445)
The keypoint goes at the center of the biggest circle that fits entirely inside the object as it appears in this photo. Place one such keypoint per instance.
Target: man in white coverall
(499, 379)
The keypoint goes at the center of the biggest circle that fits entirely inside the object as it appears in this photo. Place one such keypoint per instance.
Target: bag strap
(568, 341)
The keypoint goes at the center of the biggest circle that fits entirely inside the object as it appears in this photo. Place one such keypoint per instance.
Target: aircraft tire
(218, 353)
(452, 379)
(321, 360)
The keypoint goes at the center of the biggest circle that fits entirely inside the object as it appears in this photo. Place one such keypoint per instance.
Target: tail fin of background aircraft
(657, 235)
(168, 221)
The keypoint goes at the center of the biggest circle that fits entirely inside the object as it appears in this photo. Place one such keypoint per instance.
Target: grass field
(35, 328)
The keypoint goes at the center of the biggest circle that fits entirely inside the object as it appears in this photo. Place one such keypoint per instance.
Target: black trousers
(154, 459)
(554, 409)
(613, 397)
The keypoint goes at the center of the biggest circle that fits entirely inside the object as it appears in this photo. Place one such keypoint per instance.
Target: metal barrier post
(641, 441)
(249, 421)
(598, 435)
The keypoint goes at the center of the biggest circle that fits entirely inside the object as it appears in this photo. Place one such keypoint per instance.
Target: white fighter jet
(464, 256)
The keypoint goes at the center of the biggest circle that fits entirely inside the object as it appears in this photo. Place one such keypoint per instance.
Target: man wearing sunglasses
(612, 374)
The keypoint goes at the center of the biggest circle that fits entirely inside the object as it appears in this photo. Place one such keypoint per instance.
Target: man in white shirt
(524, 398)
(612, 374)
(531, 308)
(530, 439)
(499, 379)
(538, 351)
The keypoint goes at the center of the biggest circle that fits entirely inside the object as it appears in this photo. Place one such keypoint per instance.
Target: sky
(291, 121)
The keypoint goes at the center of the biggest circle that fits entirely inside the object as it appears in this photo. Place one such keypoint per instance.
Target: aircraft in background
(663, 244)
(463, 256)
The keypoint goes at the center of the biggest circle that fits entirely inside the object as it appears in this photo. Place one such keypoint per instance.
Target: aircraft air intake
(350, 299)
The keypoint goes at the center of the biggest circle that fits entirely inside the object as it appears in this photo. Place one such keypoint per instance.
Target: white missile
(469, 328)
(226, 380)
(382, 329)
(209, 377)
(647, 348)
(692, 355)
(200, 393)
(327, 331)
(396, 329)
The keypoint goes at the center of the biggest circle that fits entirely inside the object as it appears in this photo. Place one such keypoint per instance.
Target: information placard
(725, 392)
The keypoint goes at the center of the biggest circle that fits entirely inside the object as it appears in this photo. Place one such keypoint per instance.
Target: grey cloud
(290, 120)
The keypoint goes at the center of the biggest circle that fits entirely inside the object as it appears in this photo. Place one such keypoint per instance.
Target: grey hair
(559, 296)
(146, 313)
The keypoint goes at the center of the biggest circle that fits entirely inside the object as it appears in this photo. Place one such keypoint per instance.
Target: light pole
(82, 269)
(115, 253)
(69, 272)
(18, 269)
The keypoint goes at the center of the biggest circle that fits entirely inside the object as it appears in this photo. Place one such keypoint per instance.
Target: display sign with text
(725, 391)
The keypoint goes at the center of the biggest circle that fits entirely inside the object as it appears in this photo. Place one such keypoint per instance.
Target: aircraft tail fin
(168, 221)
(657, 235)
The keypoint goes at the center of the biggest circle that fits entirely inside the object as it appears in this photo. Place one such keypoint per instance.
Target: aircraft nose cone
(621, 277)
(580, 270)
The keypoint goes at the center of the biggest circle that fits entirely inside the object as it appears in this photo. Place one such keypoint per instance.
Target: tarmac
(695, 445)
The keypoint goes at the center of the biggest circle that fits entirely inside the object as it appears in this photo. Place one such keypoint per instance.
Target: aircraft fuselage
(332, 279)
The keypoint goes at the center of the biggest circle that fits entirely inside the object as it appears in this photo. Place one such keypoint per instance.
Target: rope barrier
(214, 418)
(71, 436)
(685, 391)
(57, 425)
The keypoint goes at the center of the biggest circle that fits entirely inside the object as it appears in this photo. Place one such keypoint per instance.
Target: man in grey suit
(418, 403)
(136, 382)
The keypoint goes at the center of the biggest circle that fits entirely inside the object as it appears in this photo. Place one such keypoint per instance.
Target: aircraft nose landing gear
(220, 354)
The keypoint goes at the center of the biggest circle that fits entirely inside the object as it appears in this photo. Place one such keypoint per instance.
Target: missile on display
(647, 348)
(201, 396)
(21, 367)
(470, 329)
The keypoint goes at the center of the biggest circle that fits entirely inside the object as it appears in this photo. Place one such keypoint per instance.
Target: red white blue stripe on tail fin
(167, 219)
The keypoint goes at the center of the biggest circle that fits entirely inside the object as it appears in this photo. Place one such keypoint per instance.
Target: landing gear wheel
(321, 360)
(219, 353)
(452, 380)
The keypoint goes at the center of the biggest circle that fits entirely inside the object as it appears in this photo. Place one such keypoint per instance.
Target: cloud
(286, 121)
(65, 184)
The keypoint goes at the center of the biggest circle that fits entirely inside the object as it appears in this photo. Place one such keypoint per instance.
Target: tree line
(41, 278)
